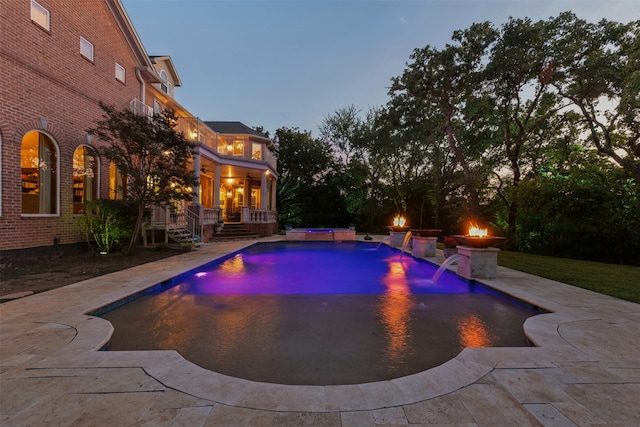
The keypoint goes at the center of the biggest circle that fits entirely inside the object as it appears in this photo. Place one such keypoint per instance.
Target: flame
(474, 230)
(399, 221)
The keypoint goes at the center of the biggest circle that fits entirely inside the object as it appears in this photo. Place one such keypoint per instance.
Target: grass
(620, 281)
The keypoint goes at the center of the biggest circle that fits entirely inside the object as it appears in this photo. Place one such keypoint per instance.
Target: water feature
(405, 242)
(444, 266)
(317, 313)
(382, 241)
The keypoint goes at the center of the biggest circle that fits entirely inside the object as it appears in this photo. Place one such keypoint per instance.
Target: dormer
(167, 72)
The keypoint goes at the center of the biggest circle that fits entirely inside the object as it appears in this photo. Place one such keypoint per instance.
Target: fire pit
(399, 224)
(479, 241)
(478, 238)
(425, 232)
(397, 231)
(478, 255)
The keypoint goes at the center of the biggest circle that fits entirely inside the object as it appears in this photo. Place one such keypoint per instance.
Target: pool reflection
(473, 332)
(394, 309)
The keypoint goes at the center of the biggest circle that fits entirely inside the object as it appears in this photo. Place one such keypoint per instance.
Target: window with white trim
(40, 15)
(86, 48)
(39, 177)
(120, 73)
(85, 177)
(165, 86)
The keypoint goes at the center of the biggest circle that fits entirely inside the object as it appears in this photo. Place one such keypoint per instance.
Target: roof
(234, 128)
(170, 67)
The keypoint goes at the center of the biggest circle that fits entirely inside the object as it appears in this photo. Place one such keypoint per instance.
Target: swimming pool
(318, 313)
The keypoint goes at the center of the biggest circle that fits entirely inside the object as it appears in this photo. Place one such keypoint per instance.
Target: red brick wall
(46, 85)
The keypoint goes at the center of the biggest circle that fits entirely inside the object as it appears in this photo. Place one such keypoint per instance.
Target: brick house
(58, 60)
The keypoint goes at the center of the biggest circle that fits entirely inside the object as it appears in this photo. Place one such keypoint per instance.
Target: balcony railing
(140, 108)
(196, 130)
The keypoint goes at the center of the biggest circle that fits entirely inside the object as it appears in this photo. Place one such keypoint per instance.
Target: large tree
(521, 103)
(597, 68)
(307, 192)
(447, 81)
(151, 156)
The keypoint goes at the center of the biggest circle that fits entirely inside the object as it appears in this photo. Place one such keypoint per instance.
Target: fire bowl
(425, 232)
(479, 242)
(398, 228)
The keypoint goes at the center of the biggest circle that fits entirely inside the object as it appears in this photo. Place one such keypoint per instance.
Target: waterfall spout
(445, 264)
(382, 241)
(407, 239)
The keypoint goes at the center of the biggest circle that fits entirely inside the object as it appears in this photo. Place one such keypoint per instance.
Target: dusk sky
(292, 63)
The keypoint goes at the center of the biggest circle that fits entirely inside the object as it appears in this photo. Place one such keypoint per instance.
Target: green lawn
(620, 281)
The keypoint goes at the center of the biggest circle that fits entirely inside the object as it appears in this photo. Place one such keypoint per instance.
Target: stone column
(397, 238)
(477, 263)
(424, 246)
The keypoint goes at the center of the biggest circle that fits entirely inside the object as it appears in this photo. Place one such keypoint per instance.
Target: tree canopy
(490, 128)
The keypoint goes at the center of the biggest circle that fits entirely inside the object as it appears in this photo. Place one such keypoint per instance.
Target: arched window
(117, 183)
(39, 165)
(85, 177)
(164, 86)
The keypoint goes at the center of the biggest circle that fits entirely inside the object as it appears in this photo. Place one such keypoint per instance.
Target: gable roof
(169, 66)
(234, 128)
(145, 66)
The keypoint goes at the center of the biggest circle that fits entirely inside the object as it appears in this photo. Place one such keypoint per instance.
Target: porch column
(196, 170)
(274, 183)
(216, 187)
(263, 191)
(246, 189)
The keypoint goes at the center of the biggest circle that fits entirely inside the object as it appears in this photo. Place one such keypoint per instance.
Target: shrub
(108, 223)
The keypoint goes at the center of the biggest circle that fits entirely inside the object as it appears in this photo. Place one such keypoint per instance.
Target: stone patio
(584, 370)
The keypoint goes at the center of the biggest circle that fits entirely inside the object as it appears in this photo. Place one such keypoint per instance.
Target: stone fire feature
(477, 263)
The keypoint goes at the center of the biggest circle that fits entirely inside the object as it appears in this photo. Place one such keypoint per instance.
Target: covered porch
(237, 177)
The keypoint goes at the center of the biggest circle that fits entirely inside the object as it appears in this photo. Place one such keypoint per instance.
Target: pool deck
(584, 371)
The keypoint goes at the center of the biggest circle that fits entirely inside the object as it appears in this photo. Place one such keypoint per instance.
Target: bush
(108, 223)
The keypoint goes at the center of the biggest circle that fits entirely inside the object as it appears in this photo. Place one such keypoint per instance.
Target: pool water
(318, 313)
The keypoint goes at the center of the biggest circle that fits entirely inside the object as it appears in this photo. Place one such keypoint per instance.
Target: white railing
(140, 108)
(259, 216)
(171, 218)
(210, 215)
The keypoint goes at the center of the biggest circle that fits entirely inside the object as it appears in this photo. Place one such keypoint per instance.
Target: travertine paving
(584, 370)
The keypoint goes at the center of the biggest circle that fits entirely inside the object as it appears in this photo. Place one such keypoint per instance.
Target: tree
(307, 192)
(447, 81)
(152, 156)
(520, 102)
(597, 68)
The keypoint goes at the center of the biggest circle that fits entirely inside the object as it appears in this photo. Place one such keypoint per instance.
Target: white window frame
(164, 86)
(40, 15)
(121, 73)
(86, 48)
(56, 184)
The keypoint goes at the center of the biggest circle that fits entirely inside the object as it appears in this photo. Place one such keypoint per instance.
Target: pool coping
(559, 337)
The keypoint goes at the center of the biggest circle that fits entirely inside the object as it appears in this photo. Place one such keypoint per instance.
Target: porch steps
(182, 235)
(234, 232)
